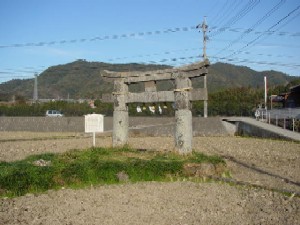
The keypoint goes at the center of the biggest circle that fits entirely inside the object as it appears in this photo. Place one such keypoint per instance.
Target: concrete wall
(47, 124)
(246, 129)
(42, 124)
(212, 126)
(69, 124)
(149, 126)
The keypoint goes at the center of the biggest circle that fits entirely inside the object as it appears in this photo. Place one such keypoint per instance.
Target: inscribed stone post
(183, 116)
(120, 115)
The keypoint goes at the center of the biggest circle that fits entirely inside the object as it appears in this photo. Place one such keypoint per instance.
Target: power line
(219, 12)
(132, 35)
(242, 30)
(213, 9)
(231, 9)
(243, 12)
(193, 58)
(281, 45)
(102, 38)
(161, 61)
(293, 65)
(269, 30)
(257, 23)
(279, 28)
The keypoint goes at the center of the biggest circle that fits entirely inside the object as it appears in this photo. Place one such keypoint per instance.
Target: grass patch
(92, 167)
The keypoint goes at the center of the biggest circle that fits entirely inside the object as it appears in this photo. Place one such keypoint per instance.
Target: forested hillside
(82, 79)
(76, 80)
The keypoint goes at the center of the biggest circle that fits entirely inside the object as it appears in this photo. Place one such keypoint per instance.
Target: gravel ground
(153, 203)
(271, 164)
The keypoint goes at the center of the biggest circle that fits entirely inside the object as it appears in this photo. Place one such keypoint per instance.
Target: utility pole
(204, 30)
(35, 90)
(266, 92)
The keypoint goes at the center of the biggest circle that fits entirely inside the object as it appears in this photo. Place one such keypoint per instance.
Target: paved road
(268, 127)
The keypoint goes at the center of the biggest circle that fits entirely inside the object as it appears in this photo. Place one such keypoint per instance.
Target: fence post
(293, 124)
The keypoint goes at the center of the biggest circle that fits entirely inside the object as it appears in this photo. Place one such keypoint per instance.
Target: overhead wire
(101, 38)
(183, 60)
(219, 11)
(230, 10)
(238, 60)
(252, 28)
(279, 28)
(243, 30)
(131, 35)
(238, 16)
(269, 30)
(173, 60)
(219, 14)
(33, 70)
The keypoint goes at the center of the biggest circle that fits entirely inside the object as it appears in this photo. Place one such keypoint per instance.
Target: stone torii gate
(182, 95)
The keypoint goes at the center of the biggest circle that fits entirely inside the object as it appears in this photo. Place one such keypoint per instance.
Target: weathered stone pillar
(183, 116)
(150, 86)
(120, 116)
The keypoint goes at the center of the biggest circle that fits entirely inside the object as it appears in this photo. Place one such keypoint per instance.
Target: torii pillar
(183, 115)
(120, 115)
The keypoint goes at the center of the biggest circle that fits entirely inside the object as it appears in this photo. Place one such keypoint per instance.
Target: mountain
(223, 75)
(82, 79)
(79, 79)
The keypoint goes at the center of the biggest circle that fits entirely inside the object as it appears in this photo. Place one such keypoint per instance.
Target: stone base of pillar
(184, 131)
(120, 128)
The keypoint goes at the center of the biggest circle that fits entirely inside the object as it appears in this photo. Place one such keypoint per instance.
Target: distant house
(290, 99)
(293, 98)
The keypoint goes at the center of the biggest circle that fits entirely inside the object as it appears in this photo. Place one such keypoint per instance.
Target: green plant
(79, 168)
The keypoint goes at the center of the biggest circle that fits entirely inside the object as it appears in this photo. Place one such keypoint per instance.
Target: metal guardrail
(284, 113)
(281, 117)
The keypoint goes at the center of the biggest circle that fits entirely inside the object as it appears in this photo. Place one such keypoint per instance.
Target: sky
(37, 34)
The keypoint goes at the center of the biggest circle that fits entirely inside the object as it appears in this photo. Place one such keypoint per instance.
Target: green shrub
(92, 166)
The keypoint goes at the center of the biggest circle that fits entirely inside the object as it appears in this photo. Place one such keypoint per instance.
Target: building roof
(295, 89)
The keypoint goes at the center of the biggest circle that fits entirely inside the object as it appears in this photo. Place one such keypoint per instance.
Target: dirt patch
(153, 203)
(269, 163)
